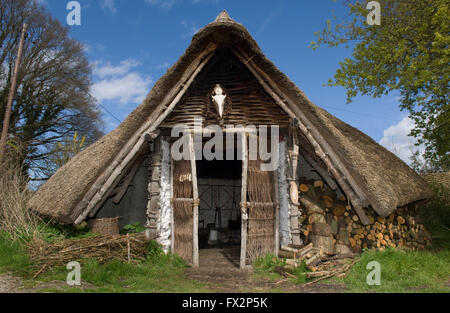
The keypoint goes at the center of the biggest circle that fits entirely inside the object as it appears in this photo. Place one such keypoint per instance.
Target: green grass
(13, 257)
(158, 273)
(264, 267)
(402, 271)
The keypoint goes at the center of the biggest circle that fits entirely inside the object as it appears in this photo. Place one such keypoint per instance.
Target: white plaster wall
(165, 213)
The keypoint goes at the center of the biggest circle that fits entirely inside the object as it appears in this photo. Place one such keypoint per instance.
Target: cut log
(342, 249)
(304, 188)
(318, 184)
(323, 242)
(321, 229)
(287, 254)
(339, 210)
(310, 206)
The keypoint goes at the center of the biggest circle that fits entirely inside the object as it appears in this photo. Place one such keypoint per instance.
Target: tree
(51, 101)
(62, 152)
(407, 53)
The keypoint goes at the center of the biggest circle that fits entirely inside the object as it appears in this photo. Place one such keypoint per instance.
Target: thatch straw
(388, 181)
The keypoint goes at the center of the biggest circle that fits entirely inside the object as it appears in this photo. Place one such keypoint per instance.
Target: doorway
(219, 215)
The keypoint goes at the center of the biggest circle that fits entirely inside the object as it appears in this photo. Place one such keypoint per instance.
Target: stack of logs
(321, 265)
(329, 222)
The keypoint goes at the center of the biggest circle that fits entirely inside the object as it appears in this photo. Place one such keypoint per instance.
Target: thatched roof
(386, 180)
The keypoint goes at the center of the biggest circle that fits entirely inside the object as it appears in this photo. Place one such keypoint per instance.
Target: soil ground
(219, 269)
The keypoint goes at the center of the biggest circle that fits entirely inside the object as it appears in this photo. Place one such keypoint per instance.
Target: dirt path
(9, 284)
(219, 269)
(12, 284)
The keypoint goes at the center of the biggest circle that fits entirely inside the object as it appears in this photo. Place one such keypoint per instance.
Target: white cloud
(168, 4)
(191, 29)
(110, 5)
(110, 70)
(163, 4)
(120, 83)
(396, 139)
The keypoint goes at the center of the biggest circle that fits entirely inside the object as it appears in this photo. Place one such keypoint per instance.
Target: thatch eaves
(385, 180)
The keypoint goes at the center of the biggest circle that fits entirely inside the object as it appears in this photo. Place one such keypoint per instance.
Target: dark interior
(228, 235)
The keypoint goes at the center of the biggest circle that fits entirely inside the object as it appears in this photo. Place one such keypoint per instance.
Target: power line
(361, 113)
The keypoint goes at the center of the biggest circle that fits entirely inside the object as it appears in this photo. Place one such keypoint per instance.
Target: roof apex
(223, 17)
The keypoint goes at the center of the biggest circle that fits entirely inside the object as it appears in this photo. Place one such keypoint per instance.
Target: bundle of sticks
(321, 264)
(127, 248)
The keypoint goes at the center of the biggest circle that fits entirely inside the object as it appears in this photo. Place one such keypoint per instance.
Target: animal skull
(218, 96)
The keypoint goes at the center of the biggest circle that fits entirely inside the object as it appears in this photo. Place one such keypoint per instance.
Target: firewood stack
(321, 264)
(331, 224)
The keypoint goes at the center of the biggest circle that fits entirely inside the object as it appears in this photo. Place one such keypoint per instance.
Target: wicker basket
(105, 226)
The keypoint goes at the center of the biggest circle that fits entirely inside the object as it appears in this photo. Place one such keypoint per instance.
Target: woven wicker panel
(247, 102)
(261, 212)
(182, 210)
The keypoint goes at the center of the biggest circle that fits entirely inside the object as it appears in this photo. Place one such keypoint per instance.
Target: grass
(265, 267)
(158, 273)
(13, 257)
(402, 271)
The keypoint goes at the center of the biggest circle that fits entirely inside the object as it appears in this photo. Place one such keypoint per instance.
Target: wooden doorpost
(196, 202)
(244, 211)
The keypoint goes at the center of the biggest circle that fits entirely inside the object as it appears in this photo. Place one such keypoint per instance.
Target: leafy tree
(407, 53)
(61, 152)
(51, 101)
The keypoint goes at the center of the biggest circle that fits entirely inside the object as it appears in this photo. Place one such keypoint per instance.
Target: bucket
(213, 237)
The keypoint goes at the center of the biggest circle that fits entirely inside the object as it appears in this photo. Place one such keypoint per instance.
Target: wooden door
(185, 208)
(259, 209)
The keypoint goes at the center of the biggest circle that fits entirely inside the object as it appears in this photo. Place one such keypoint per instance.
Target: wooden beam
(357, 200)
(172, 219)
(106, 180)
(151, 136)
(195, 260)
(108, 192)
(277, 213)
(299, 115)
(129, 178)
(322, 172)
(244, 212)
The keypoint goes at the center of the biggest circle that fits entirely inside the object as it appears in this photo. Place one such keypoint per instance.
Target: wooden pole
(195, 261)
(172, 218)
(128, 248)
(112, 174)
(277, 212)
(244, 211)
(348, 184)
(12, 91)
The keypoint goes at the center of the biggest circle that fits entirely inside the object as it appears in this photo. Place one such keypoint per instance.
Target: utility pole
(4, 136)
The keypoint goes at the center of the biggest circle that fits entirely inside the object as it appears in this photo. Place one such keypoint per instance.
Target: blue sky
(131, 43)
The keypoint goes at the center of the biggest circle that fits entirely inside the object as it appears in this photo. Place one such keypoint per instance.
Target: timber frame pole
(12, 90)
(244, 207)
